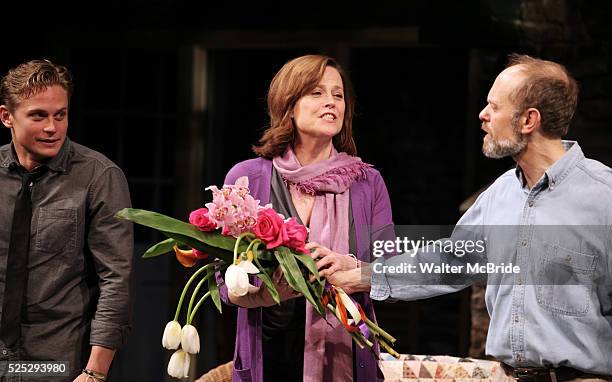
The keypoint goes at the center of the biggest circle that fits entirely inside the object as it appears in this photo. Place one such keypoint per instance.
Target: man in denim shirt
(65, 259)
(551, 217)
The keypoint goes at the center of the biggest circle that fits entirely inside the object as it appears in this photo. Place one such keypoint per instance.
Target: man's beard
(501, 148)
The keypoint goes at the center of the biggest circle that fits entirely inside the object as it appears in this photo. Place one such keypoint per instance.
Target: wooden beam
(285, 38)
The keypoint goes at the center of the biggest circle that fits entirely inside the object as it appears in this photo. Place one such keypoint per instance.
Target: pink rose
(201, 220)
(296, 235)
(270, 228)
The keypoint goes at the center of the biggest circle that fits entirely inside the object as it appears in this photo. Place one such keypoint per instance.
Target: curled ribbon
(345, 303)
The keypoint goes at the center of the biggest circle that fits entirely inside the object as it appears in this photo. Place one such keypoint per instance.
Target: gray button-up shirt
(80, 261)
(558, 309)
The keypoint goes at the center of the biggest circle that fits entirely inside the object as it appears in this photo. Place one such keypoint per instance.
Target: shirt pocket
(56, 230)
(565, 281)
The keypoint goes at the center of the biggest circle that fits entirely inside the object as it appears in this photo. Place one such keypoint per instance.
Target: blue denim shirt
(560, 312)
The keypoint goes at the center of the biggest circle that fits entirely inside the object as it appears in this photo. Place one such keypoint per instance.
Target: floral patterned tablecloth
(422, 368)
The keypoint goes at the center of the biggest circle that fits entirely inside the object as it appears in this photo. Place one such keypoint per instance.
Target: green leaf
(160, 248)
(317, 289)
(213, 288)
(270, 285)
(266, 255)
(294, 276)
(173, 226)
(311, 266)
(263, 276)
(227, 256)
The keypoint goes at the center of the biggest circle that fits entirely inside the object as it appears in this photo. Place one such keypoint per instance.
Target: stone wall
(579, 35)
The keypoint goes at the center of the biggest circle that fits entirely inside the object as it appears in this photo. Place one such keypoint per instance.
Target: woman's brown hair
(295, 79)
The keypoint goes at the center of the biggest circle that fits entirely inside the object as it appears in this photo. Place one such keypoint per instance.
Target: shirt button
(531, 203)
(361, 365)
(520, 281)
(524, 243)
(4, 352)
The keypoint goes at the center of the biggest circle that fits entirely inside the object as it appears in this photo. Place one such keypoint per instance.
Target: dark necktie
(17, 262)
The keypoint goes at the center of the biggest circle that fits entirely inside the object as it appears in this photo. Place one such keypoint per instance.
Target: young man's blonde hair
(30, 78)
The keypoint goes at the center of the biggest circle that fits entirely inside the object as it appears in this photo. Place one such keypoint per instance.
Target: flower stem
(180, 303)
(388, 348)
(238, 240)
(197, 307)
(357, 341)
(375, 328)
(381, 341)
(195, 293)
(356, 337)
(256, 241)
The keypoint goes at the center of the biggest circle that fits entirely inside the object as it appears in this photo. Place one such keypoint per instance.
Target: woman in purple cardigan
(307, 168)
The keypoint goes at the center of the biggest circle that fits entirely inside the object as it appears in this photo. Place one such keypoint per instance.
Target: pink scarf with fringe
(328, 354)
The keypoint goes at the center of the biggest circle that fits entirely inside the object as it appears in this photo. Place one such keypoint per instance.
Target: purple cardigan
(372, 217)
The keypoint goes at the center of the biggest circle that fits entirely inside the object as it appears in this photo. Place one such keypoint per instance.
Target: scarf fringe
(340, 175)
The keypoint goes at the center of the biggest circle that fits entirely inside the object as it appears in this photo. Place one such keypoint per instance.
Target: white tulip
(172, 335)
(237, 277)
(190, 340)
(178, 367)
(248, 267)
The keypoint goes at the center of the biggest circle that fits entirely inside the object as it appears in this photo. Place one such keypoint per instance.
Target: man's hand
(354, 280)
(82, 378)
(99, 361)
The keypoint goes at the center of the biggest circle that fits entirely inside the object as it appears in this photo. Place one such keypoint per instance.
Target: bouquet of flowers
(237, 236)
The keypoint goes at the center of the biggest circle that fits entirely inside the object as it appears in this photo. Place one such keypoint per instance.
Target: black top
(283, 325)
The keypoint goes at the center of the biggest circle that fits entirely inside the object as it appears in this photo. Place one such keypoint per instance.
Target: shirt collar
(8, 156)
(559, 170)
(59, 163)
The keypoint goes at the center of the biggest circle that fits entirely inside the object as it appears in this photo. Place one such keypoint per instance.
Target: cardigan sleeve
(239, 169)
(382, 216)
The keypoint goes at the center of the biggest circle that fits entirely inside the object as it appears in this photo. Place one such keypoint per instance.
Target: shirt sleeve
(609, 257)
(111, 244)
(409, 276)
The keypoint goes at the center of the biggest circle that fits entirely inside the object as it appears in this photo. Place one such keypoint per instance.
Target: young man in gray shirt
(65, 259)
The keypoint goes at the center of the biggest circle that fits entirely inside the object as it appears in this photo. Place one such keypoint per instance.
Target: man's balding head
(548, 87)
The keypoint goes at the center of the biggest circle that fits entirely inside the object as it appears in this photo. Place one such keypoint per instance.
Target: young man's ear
(530, 120)
(6, 117)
